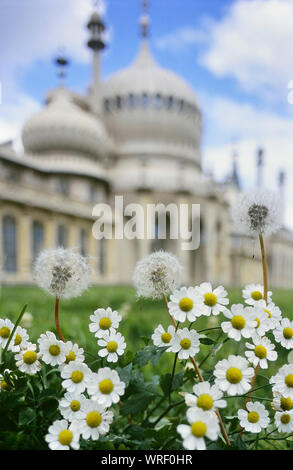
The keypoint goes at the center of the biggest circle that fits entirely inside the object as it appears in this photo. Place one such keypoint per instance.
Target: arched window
(145, 100)
(169, 102)
(118, 102)
(9, 242)
(83, 242)
(62, 236)
(107, 106)
(158, 101)
(102, 256)
(131, 101)
(37, 238)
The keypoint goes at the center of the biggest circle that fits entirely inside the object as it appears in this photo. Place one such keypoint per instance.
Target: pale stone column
(72, 234)
(50, 233)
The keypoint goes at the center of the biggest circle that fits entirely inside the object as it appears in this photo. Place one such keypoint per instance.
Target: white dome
(64, 126)
(150, 110)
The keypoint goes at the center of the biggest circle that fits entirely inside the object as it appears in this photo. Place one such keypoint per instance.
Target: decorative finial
(61, 63)
(96, 26)
(145, 19)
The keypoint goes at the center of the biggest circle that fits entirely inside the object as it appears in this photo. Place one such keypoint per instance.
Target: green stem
(172, 376)
(167, 410)
(12, 333)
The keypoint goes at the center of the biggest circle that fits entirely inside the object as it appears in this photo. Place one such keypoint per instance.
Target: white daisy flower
(4, 387)
(241, 323)
(77, 376)
(72, 353)
(19, 340)
(103, 320)
(283, 333)
(71, 406)
(206, 396)
(284, 421)
(201, 425)
(186, 343)
(255, 418)
(253, 293)
(274, 315)
(185, 304)
(52, 350)
(6, 327)
(62, 273)
(95, 422)
(261, 351)
(263, 322)
(113, 345)
(62, 436)
(233, 375)
(27, 359)
(281, 403)
(257, 212)
(214, 301)
(106, 387)
(283, 381)
(157, 274)
(163, 338)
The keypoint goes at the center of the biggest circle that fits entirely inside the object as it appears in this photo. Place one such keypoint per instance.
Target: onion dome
(150, 110)
(64, 126)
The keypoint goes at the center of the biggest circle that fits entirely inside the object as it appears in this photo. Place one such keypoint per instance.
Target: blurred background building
(137, 134)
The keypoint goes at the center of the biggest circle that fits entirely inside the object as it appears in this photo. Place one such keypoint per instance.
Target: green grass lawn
(140, 317)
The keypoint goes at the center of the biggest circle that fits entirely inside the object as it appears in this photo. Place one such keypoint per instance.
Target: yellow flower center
(253, 417)
(286, 403)
(65, 437)
(256, 295)
(205, 402)
(29, 357)
(289, 380)
(260, 351)
(4, 385)
(238, 322)
(285, 418)
(287, 333)
(210, 299)
(185, 343)
(234, 375)
(199, 429)
(75, 405)
(112, 346)
(257, 322)
(186, 304)
(166, 337)
(4, 332)
(70, 357)
(106, 386)
(18, 340)
(54, 350)
(76, 376)
(105, 323)
(93, 419)
(269, 313)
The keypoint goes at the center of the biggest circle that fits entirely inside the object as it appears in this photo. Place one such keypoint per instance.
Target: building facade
(137, 135)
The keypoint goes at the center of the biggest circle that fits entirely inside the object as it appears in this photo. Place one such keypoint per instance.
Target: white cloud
(181, 39)
(244, 127)
(252, 43)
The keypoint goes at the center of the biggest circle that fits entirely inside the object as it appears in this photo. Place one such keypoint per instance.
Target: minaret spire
(61, 62)
(145, 19)
(96, 27)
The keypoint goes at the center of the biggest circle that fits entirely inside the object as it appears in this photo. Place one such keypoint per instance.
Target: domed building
(137, 136)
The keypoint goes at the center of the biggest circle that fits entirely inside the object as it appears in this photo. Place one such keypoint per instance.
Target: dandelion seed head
(257, 212)
(62, 272)
(157, 274)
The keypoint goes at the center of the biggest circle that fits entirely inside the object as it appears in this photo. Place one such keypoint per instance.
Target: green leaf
(148, 353)
(125, 374)
(165, 382)
(136, 403)
(26, 416)
(207, 341)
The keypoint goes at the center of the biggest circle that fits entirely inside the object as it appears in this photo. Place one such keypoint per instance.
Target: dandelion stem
(57, 319)
(166, 303)
(264, 267)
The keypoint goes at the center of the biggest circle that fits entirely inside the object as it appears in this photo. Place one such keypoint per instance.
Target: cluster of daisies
(84, 407)
(233, 376)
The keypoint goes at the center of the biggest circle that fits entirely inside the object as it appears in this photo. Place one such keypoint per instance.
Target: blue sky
(236, 54)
